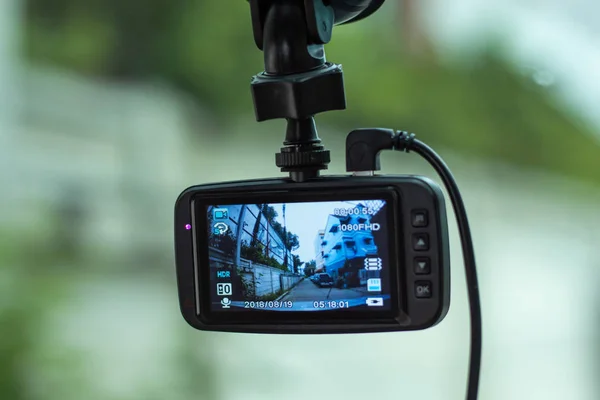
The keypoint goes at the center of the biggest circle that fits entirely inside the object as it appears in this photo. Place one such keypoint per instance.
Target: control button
(420, 241)
(422, 266)
(423, 289)
(419, 218)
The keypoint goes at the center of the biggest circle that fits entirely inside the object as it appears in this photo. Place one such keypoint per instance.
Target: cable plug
(363, 147)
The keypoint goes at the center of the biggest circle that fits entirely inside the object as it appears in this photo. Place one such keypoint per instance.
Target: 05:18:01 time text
(268, 304)
(331, 304)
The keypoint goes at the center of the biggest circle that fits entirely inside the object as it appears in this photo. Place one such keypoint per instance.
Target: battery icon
(375, 301)
(372, 264)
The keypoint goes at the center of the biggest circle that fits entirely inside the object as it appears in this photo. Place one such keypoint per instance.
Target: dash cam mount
(298, 82)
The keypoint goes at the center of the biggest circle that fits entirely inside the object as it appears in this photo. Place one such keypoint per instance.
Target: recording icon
(220, 213)
(225, 302)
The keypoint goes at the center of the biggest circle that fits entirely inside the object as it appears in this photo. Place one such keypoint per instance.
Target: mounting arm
(298, 82)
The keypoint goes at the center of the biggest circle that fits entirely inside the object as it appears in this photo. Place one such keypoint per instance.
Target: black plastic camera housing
(415, 253)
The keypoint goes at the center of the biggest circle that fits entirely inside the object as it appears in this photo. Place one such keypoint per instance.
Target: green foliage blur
(205, 48)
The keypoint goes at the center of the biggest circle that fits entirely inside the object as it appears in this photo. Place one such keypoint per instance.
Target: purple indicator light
(188, 227)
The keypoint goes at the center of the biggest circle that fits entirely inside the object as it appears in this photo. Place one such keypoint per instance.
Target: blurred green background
(110, 108)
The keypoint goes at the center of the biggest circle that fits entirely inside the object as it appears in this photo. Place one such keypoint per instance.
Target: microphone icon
(225, 302)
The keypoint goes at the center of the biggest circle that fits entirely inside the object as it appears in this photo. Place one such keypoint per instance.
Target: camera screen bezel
(200, 202)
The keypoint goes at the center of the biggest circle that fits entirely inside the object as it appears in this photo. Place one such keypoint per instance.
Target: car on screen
(324, 280)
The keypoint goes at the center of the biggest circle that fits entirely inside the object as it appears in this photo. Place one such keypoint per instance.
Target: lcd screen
(299, 256)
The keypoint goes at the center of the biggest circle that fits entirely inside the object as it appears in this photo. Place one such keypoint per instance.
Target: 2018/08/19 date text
(268, 304)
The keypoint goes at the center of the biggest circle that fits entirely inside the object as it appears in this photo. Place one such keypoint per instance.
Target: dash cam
(312, 253)
(320, 254)
(337, 254)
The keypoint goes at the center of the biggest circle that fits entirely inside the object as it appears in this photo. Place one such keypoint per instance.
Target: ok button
(423, 289)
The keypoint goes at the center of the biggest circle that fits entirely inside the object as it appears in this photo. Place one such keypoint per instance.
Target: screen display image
(299, 256)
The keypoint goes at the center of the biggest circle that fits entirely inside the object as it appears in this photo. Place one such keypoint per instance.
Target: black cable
(405, 142)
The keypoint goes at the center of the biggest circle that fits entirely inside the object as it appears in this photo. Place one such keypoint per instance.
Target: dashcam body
(337, 254)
